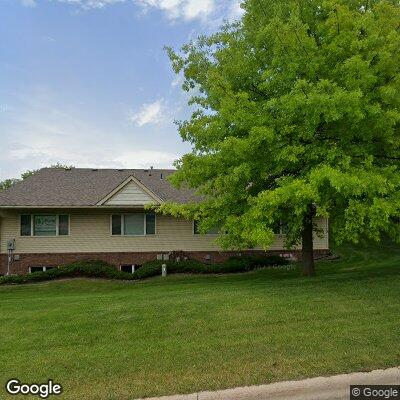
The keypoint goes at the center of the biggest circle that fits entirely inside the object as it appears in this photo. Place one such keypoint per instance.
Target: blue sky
(87, 82)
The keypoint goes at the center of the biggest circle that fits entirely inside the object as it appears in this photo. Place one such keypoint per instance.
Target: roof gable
(131, 192)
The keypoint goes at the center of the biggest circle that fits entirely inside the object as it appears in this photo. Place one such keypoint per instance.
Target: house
(61, 215)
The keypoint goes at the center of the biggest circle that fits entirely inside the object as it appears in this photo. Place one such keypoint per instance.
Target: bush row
(89, 269)
(100, 269)
(232, 265)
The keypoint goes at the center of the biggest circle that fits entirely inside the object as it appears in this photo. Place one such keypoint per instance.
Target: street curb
(335, 387)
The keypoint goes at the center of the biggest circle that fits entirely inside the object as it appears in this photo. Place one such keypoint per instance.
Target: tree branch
(301, 44)
(337, 21)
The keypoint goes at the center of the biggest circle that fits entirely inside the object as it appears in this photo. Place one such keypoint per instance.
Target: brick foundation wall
(294, 255)
(25, 261)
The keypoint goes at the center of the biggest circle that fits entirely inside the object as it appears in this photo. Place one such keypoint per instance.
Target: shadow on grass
(357, 262)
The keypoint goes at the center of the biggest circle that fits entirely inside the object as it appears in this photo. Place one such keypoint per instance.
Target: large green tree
(296, 116)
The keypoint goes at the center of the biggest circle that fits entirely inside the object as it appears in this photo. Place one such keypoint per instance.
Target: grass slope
(115, 340)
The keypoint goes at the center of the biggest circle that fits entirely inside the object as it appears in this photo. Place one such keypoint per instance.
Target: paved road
(322, 388)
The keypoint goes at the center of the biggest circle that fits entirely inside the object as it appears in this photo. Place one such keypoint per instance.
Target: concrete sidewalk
(323, 388)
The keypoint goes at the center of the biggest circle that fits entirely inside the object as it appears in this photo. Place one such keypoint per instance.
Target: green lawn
(115, 340)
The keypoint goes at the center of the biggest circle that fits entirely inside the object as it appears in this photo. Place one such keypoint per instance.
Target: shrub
(237, 265)
(100, 269)
(89, 269)
(262, 261)
(153, 268)
(148, 270)
(10, 279)
(232, 265)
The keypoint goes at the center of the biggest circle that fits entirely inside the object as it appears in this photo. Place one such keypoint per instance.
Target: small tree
(297, 116)
(8, 183)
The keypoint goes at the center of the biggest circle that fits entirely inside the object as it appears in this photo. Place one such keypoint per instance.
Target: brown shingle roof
(86, 187)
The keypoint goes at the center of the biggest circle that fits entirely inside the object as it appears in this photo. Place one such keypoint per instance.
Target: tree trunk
(307, 241)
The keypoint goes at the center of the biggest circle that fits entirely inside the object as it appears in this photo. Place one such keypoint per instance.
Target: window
(212, 231)
(26, 225)
(134, 224)
(63, 225)
(116, 225)
(129, 268)
(44, 225)
(150, 224)
(281, 228)
(137, 224)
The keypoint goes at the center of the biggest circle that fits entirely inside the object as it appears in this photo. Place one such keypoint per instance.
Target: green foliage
(89, 269)
(298, 104)
(153, 268)
(8, 183)
(100, 269)
(232, 265)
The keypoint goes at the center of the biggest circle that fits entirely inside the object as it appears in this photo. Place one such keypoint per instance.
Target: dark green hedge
(232, 265)
(100, 269)
(90, 269)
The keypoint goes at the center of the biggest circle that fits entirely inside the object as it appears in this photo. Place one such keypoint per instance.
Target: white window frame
(49, 236)
(122, 216)
(133, 268)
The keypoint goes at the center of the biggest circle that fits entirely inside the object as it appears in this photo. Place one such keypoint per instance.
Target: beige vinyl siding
(131, 194)
(90, 232)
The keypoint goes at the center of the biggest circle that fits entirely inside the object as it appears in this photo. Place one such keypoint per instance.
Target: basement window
(129, 268)
(39, 269)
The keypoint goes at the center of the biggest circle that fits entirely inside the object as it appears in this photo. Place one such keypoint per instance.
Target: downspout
(2, 249)
(9, 246)
(6, 253)
(1, 217)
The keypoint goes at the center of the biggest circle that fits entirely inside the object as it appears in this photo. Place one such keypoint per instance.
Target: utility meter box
(11, 244)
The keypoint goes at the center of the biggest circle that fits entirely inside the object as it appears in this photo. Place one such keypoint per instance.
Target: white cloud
(28, 3)
(145, 159)
(152, 113)
(205, 10)
(178, 80)
(61, 138)
(186, 9)
(4, 108)
(235, 11)
(39, 132)
(46, 148)
(88, 4)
